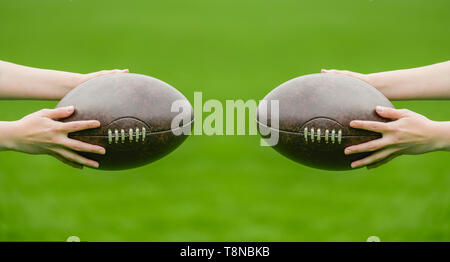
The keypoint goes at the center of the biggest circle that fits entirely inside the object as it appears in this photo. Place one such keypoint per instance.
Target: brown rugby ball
(314, 115)
(135, 115)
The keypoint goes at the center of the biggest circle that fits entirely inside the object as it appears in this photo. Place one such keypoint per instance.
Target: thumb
(60, 112)
(391, 113)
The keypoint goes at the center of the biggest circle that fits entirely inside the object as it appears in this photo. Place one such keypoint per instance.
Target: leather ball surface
(314, 115)
(135, 112)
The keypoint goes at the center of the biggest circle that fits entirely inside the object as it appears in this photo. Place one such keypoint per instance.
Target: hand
(359, 76)
(38, 133)
(410, 133)
(89, 76)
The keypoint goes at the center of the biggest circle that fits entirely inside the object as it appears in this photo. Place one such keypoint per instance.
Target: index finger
(79, 125)
(374, 126)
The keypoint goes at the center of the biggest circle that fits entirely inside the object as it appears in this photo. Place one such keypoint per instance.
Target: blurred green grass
(224, 188)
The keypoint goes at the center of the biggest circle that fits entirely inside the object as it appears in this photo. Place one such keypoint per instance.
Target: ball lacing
(316, 135)
(133, 135)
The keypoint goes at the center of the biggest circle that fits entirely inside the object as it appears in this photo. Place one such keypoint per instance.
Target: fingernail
(354, 164)
(380, 109)
(95, 165)
(347, 151)
(102, 151)
(354, 123)
(323, 70)
(69, 108)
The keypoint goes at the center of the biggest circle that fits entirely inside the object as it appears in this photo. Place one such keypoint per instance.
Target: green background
(224, 188)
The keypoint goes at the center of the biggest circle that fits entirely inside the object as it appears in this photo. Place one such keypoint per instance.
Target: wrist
(73, 80)
(65, 82)
(441, 135)
(376, 80)
(7, 138)
(77, 79)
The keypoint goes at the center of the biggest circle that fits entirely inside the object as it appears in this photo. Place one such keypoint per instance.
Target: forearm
(22, 82)
(428, 82)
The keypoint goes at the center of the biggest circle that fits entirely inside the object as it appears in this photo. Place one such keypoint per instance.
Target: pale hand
(89, 76)
(39, 133)
(409, 133)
